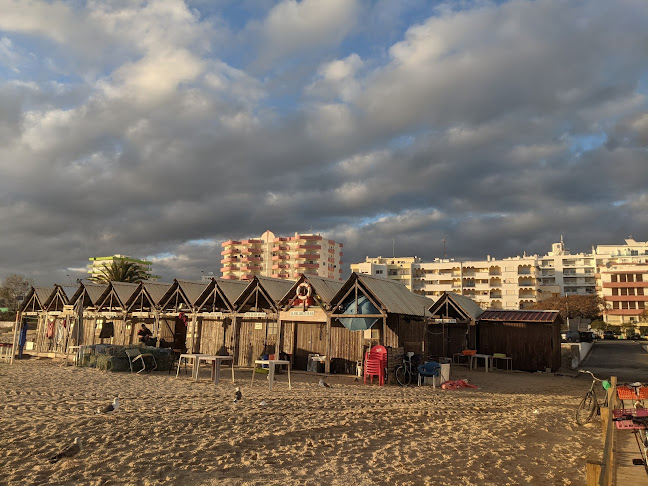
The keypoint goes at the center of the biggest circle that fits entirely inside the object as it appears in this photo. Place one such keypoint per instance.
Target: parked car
(608, 335)
(587, 336)
(571, 336)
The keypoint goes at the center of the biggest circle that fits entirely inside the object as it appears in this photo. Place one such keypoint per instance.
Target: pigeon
(70, 451)
(110, 408)
(237, 395)
(323, 384)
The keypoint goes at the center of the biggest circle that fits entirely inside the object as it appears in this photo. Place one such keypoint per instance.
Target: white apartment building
(400, 269)
(284, 257)
(516, 282)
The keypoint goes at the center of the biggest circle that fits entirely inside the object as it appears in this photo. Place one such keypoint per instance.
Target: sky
(159, 129)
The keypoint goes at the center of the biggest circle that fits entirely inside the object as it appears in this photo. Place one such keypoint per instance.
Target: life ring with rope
(303, 295)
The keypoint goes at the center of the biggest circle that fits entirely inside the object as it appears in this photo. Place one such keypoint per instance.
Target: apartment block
(284, 257)
(517, 282)
(624, 286)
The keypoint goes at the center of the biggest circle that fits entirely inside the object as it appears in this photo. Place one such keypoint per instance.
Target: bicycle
(590, 404)
(407, 372)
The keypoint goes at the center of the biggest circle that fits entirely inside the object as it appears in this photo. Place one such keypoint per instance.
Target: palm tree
(121, 271)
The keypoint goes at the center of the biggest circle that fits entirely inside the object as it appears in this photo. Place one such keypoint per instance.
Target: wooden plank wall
(455, 337)
(345, 349)
(531, 345)
(310, 338)
(252, 342)
(216, 336)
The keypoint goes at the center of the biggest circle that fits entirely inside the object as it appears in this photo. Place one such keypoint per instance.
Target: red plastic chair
(375, 363)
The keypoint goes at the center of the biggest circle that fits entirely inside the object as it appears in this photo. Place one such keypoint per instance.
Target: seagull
(110, 408)
(71, 450)
(323, 384)
(237, 395)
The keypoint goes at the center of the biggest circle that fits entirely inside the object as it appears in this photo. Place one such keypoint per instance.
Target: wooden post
(607, 464)
(234, 339)
(327, 359)
(593, 472)
(384, 331)
(278, 336)
(15, 336)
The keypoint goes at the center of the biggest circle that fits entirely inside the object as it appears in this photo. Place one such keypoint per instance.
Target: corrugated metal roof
(156, 290)
(193, 290)
(325, 288)
(395, 297)
(519, 315)
(94, 291)
(43, 293)
(124, 290)
(68, 291)
(275, 287)
(232, 289)
(466, 304)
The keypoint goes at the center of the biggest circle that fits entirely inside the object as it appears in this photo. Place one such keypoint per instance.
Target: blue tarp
(359, 323)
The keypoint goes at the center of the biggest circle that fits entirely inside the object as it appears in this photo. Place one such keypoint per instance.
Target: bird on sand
(110, 408)
(70, 451)
(237, 395)
(323, 384)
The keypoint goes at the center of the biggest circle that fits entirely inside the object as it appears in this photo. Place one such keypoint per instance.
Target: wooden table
(215, 369)
(271, 364)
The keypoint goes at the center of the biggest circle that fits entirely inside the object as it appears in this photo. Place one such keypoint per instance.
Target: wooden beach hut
(33, 313)
(143, 306)
(453, 325)
(179, 322)
(84, 307)
(530, 337)
(383, 312)
(304, 327)
(257, 315)
(217, 318)
(111, 324)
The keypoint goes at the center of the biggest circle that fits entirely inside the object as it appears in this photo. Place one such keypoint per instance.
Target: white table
(216, 364)
(194, 361)
(271, 364)
(74, 351)
(485, 357)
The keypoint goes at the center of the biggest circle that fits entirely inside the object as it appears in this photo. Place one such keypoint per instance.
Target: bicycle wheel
(586, 409)
(402, 376)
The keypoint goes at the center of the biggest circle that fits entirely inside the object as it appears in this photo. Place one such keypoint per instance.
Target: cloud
(160, 129)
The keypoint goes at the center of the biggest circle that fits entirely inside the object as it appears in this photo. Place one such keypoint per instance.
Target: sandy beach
(516, 428)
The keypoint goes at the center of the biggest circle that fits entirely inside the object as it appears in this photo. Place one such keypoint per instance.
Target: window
(272, 327)
(379, 272)
(613, 278)
(615, 291)
(615, 305)
(638, 278)
(640, 291)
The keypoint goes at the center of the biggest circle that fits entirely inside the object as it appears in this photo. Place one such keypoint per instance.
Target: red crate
(626, 393)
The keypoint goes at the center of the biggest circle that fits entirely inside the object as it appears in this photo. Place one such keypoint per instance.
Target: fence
(601, 473)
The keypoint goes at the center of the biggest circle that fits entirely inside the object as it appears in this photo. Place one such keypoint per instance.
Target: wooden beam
(327, 359)
(15, 335)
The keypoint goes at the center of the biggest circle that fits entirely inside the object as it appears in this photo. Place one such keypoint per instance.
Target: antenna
(70, 279)
(393, 247)
(445, 253)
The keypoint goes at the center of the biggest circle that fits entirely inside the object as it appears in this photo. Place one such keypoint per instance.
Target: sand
(517, 428)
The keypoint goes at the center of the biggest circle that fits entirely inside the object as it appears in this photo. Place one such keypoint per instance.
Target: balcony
(229, 260)
(309, 237)
(280, 257)
(231, 242)
(251, 259)
(307, 265)
(280, 248)
(250, 268)
(230, 251)
(228, 277)
(280, 275)
(247, 276)
(307, 256)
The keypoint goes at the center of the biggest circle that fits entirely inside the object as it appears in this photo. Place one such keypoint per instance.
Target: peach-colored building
(624, 287)
(285, 257)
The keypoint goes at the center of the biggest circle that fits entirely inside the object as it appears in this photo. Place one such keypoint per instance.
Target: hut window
(272, 328)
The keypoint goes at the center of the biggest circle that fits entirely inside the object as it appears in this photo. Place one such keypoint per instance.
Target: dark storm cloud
(501, 126)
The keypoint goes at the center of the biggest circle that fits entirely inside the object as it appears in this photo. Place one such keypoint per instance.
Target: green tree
(14, 289)
(121, 271)
(583, 306)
